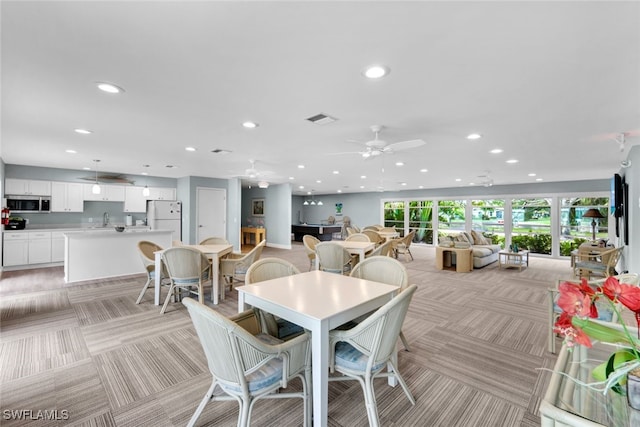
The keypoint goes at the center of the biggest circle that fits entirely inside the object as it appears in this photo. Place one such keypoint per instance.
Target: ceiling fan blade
(343, 152)
(404, 145)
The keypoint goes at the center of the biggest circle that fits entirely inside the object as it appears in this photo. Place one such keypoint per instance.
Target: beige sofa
(484, 252)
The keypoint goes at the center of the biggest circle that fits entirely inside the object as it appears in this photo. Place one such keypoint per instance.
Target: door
(211, 212)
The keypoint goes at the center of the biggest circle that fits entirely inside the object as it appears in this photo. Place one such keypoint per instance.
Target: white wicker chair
(146, 250)
(267, 269)
(358, 237)
(310, 243)
(333, 258)
(383, 250)
(247, 367)
(234, 266)
(605, 312)
(363, 352)
(215, 241)
(387, 270)
(187, 268)
(373, 236)
(402, 245)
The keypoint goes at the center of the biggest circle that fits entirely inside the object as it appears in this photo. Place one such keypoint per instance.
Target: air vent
(220, 151)
(321, 119)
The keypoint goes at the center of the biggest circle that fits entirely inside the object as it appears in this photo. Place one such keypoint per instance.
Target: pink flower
(627, 295)
(572, 334)
(574, 301)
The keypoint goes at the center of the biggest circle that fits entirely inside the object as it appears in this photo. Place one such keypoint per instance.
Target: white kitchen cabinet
(15, 250)
(17, 187)
(57, 246)
(161, 193)
(67, 197)
(134, 201)
(39, 247)
(108, 193)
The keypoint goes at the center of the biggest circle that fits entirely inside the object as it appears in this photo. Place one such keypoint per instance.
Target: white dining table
(213, 252)
(319, 302)
(354, 248)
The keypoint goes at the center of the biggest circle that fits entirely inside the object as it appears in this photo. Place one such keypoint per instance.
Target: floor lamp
(593, 214)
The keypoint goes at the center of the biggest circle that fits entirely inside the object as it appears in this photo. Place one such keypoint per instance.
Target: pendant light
(96, 187)
(145, 191)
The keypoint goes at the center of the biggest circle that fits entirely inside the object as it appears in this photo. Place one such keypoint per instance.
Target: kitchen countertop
(80, 228)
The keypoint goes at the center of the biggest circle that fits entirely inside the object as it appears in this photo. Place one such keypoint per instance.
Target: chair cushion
(349, 358)
(268, 374)
(605, 313)
(591, 265)
(287, 329)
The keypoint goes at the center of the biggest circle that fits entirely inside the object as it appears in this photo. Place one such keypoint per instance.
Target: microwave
(29, 204)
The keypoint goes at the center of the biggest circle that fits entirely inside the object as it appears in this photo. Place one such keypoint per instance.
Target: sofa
(484, 252)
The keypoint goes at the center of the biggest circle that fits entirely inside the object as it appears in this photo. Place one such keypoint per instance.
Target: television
(617, 197)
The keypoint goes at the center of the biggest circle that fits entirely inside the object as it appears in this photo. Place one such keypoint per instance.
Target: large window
(575, 228)
(394, 215)
(531, 225)
(451, 216)
(421, 220)
(488, 218)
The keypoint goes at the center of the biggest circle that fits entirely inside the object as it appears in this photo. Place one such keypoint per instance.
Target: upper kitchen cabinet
(67, 197)
(29, 187)
(108, 193)
(134, 200)
(161, 193)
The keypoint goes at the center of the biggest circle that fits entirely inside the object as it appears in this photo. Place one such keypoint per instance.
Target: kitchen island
(98, 254)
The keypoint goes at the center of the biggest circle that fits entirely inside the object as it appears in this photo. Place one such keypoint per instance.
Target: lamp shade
(592, 213)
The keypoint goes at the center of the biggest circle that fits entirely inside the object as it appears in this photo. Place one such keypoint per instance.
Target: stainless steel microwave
(29, 204)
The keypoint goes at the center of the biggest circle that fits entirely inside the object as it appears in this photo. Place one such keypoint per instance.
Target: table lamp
(593, 214)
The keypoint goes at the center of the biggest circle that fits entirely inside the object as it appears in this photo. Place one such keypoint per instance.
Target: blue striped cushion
(349, 358)
(591, 265)
(270, 373)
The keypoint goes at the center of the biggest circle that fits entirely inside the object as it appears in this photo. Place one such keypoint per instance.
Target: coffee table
(508, 259)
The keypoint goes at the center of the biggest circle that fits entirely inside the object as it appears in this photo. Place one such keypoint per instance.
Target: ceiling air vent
(220, 151)
(321, 119)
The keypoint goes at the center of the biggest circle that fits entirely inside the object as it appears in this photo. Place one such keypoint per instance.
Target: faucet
(105, 219)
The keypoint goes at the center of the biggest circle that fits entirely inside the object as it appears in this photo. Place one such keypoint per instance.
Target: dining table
(354, 248)
(213, 252)
(319, 302)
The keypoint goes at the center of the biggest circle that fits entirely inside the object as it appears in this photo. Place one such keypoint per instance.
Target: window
(488, 218)
(574, 228)
(531, 225)
(451, 216)
(421, 220)
(394, 215)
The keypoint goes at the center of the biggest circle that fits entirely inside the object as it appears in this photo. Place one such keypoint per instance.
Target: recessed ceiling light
(250, 125)
(399, 163)
(300, 166)
(291, 177)
(474, 136)
(496, 151)
(318, 181)
(82, 131)
(511, 161)
(144, 173)
(376, 71)
(420, 186)
(363, 176)
(87, 168)
(403, 183)
(301, 187)
(472, 183)
(362, 186)
(532, 174)
(109, 87)
(190, 148)
(424, 170)
(339, 191)
(539, 179)
(71, 151)
(458, 180)
(336, 172)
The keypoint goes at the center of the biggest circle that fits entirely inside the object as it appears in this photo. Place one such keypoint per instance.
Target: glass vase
(633, 389)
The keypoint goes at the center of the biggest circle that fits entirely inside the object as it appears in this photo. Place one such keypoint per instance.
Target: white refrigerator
(165, 215)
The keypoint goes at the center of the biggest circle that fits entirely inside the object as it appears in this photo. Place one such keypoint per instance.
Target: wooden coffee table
(507, 259)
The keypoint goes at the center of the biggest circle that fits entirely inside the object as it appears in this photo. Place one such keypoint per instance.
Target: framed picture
(257, 207)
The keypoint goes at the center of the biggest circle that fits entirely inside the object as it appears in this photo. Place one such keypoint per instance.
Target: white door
(211, 217)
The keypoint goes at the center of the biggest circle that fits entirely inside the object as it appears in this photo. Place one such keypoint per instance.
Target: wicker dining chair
(363, 352)
(333, 258)
(248, 367)
(234, 266)
(147, 250)
(188, 268)
(214, 241)
(310, 243)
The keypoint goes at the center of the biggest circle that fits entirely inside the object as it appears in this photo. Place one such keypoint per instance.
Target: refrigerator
(165, 215)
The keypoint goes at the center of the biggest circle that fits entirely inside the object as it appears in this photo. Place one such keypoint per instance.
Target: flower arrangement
(578, 326)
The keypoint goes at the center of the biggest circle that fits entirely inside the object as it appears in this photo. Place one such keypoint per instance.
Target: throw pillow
(478, 238)
(462, 237)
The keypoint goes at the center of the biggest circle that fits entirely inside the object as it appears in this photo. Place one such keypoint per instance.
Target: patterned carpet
(90, 353)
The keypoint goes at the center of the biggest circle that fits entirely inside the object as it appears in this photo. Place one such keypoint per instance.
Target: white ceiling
(551, 83)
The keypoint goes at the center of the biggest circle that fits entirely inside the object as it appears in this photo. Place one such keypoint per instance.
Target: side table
(259, 234)
(518, 259)
(463, 262)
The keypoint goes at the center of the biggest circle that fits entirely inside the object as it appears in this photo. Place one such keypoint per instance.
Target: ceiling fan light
(263, 184)
(375, 153)
(145, 191)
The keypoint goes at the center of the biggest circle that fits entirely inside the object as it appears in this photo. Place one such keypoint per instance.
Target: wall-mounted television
(617, 197)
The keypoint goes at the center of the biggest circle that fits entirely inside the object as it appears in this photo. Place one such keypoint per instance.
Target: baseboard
(278, 246)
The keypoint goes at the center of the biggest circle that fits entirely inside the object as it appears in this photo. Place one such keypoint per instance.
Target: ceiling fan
(254, 174)
(376, 146)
